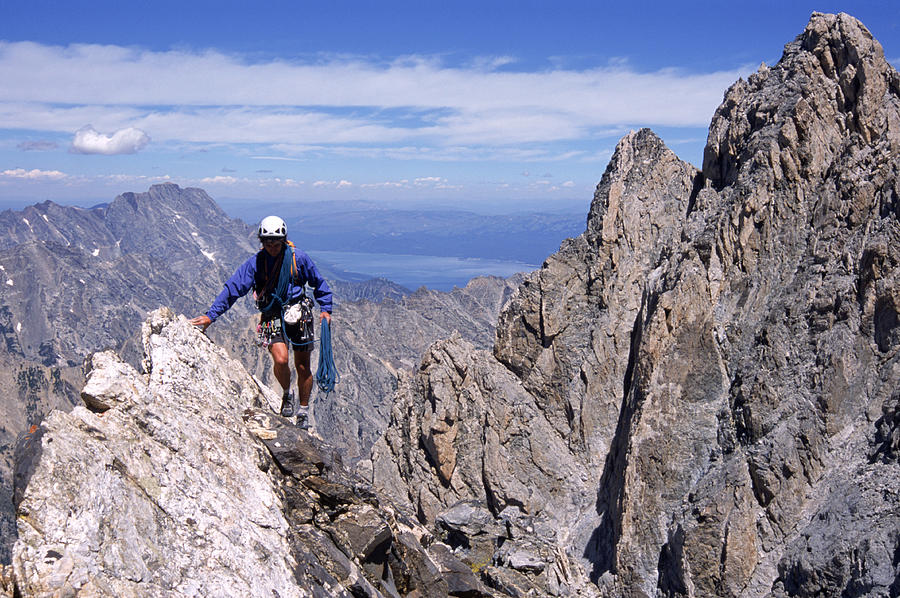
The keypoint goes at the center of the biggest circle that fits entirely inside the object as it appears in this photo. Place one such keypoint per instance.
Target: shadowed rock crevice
(887, 335)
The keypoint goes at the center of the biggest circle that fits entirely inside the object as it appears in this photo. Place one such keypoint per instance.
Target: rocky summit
(375, 343)
(698, 396)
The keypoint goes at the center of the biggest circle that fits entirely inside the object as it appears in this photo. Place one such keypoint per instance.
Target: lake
(412, 271)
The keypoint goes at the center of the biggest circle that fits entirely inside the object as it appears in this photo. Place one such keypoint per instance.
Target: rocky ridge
(78, 280)
(181, 482)
(697, 396)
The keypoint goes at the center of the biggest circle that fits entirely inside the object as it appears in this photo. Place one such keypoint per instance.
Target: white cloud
(221, 180)
(131, 178)
(124, 141)
(282, 158)
(386, 185)
(288, 182)
(111, 75)
(437, 153)
(21, 173)
(64, 118)
(210, 97)
(430, 180)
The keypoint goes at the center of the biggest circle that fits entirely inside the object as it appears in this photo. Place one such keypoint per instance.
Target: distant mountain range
(524, 232)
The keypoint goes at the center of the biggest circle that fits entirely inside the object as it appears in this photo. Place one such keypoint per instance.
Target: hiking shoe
(303, 417)
(287, 404)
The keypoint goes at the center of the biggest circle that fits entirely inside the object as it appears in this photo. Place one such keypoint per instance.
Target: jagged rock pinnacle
(714, 360)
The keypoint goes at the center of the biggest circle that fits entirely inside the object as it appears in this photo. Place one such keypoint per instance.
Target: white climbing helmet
(272, 227)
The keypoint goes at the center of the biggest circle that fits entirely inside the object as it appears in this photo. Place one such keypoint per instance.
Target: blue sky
(335, 100)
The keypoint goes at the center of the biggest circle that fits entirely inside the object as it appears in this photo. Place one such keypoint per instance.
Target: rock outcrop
(697, 396)
(182, 482)
(76, 280)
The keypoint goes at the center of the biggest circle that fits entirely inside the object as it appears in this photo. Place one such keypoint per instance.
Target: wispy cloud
(333, 184)
(37, 146)
(222, 180)
(34, 174)
(434, 153)
(430, 182)
(211, 97)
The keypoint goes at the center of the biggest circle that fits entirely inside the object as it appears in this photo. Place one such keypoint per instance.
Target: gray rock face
(697, 396)
(182, 482)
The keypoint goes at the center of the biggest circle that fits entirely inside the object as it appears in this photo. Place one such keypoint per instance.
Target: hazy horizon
(242, 208)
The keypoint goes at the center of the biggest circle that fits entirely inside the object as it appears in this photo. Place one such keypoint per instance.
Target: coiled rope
(326, 374)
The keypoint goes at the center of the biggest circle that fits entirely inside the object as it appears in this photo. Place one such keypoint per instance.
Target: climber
(278, 274)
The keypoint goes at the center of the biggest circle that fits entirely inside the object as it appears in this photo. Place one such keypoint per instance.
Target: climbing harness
(326, 374)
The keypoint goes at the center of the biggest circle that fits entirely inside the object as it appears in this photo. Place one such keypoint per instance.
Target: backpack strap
(295, 271)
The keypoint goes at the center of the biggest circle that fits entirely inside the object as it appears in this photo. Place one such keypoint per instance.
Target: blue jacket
(241, 282)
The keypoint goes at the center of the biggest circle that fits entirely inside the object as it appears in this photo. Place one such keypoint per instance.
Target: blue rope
(326, 374)
(279, 293)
